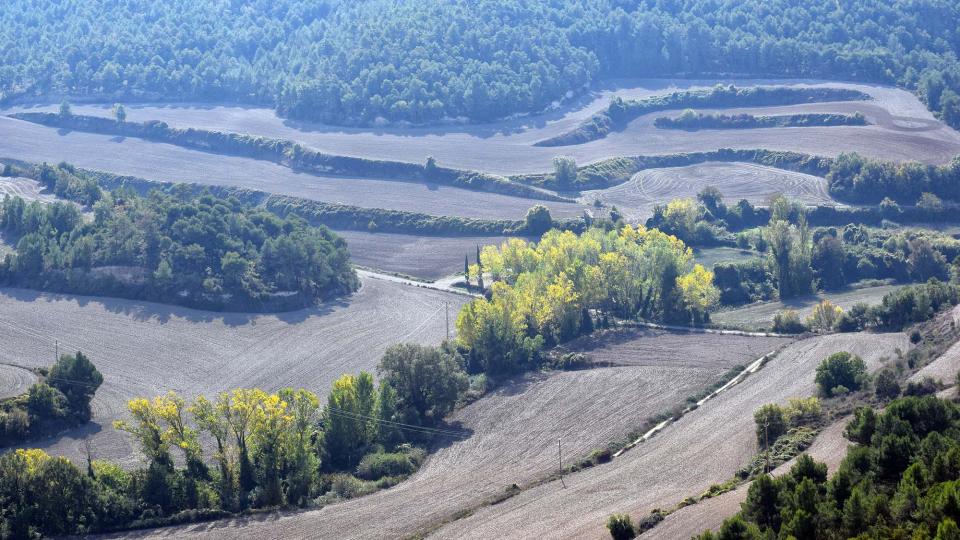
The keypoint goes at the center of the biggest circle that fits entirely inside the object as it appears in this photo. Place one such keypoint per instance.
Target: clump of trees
(202, 250)
(282, 449)
(551, 291)
(859, 179)
(60, 399)
(840, 373)
(898, 481)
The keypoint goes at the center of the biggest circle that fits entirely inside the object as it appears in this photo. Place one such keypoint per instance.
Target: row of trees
(548, 292)
(200, 250)
(352, 62)
(243, 449)
(859, 179)
(60, 399)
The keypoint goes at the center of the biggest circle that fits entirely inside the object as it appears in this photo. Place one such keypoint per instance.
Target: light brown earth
(903, 130)
(704, 447)
(514, 436)
(760, 315)
(145, 349)
(636, 198)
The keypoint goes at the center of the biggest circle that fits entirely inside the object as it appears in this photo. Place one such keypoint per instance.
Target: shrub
(923, 387)
(788, 322)
(538, 220)
(771, 424)
(841, 369)
(376, 466)
(803, 411)
(886, 386)
(824, 317)
(571, 362)
(621, 527)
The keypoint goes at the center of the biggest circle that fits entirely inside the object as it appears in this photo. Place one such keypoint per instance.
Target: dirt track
(145, 349)
(703, 448)
(514, 437)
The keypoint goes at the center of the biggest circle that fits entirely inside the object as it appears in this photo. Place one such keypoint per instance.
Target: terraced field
(903, 129)
(760, 316)
(165, 162)
(514, 436)
(636, 198)
(145, 349)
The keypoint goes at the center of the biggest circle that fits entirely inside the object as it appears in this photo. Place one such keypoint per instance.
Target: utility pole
(56, 350)
(446, 312)
(560, 458)
(766, 444)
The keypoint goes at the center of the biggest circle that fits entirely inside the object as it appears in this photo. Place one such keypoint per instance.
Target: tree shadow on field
(118, 139)
(142, 311)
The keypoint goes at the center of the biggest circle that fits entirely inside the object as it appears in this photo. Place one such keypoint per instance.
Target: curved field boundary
(290, 154)
(14, 380)
(614, 171)
(620, 112)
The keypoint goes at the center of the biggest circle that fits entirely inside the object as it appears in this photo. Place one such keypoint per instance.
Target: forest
(446, 61)
(173, 247)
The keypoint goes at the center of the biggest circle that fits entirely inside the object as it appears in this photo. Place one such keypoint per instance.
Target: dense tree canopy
(422, 61)
(207, 251)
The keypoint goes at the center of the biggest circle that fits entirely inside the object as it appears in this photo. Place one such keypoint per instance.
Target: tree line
(204, 251)
(421, 62)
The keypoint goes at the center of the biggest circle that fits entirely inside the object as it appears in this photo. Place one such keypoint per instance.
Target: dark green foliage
(770, 423)
(376, 466)
(863, 180)
(78, 379)
(621, 527)
(203, 250)
(61, 399)
(841, 369)
(427, 380)
(898, 482)
(749, 121)
(538, 220)
(886, 385)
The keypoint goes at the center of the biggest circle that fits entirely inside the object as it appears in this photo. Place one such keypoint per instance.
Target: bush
(923, 387)
(771, 424)
(571, 362)
(376, 466)
(824, 317)
(788, 322)
(886, 386)
(803, 411)
(621, 527)
(538, 220)
(841, 369)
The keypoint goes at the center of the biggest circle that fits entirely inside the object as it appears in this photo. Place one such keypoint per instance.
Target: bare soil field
(145, 349)
(636, 198)
(514, 436)
(704, 447)
(830, 447)
(165, 162)
(15, 380)
(944, 368)
(903, 129)
(760, 316)
(426, 257)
